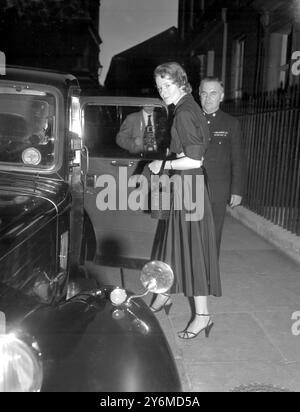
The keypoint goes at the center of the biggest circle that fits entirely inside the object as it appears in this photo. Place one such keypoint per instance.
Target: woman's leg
(160, 300)
(200, 322)
(201, 304)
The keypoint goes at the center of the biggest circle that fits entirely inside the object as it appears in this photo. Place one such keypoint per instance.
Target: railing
(271, 137)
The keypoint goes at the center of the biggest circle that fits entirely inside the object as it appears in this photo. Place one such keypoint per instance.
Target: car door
(123, 228)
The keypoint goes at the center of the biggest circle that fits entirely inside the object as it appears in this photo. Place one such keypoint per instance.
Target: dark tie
(149, 139)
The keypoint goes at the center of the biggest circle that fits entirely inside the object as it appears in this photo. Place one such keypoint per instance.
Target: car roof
(34, 75)
(122, 100)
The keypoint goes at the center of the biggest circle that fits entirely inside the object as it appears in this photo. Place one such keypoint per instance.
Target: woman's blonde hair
(176, 73)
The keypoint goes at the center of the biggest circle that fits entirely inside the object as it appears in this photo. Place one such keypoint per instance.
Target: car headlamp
(118, 296)
(20, 364)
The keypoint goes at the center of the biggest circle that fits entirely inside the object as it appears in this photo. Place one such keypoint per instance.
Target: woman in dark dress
(188, 245)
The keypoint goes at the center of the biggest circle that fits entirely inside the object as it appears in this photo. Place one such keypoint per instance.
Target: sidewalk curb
(284, 240)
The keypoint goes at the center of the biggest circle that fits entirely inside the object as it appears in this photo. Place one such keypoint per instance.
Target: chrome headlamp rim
(21, 366)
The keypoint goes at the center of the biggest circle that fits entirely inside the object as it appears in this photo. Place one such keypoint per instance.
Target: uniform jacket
(224, 160)
(133, 128)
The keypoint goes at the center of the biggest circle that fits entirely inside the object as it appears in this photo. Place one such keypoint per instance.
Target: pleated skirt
(189, 247)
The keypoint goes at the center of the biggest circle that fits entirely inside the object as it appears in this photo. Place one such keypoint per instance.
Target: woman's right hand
(155, 166)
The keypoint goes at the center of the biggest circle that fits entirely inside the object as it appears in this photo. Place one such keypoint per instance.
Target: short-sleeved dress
(187, 245)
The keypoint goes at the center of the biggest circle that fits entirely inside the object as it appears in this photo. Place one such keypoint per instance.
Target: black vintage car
(60, 330)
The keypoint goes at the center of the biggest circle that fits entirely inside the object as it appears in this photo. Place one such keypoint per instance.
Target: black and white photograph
(149, 198)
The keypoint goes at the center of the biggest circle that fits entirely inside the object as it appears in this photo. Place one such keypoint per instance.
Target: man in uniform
(224, 161)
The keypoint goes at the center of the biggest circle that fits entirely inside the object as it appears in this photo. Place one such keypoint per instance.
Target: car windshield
(27, 127)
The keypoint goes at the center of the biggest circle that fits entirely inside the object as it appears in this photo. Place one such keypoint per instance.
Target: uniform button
(214, 115)
(220, 142)
(208, 122)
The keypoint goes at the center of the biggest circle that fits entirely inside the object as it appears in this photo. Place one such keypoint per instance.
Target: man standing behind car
(144, 131)
(223, 161)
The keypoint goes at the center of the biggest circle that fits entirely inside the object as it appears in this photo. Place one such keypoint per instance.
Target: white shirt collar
(145, 114)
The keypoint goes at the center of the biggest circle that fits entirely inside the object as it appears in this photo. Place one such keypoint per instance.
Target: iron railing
(271, 138)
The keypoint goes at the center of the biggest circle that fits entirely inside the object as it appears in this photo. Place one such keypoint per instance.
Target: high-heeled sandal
(186, 334)
(166, 305)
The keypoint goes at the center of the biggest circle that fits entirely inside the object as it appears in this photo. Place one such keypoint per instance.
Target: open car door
(124, 232)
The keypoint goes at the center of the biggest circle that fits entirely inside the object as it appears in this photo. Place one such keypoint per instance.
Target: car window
(111, 130)
(27, 128)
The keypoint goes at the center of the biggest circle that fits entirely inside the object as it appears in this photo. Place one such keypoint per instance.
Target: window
(210, 62)
(202, 65)
(202, 5)
(191, 22)
(278, 57)
(27, 127)
(238, 68)
(198, 8)
(121, 131)
(284, 59)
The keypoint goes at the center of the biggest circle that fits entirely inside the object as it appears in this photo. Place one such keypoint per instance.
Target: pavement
(254, 344)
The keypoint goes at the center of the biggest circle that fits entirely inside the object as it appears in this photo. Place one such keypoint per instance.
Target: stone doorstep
(282, 239)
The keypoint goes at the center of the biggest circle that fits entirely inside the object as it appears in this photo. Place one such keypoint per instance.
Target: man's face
(148, 109)
(211, 95)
